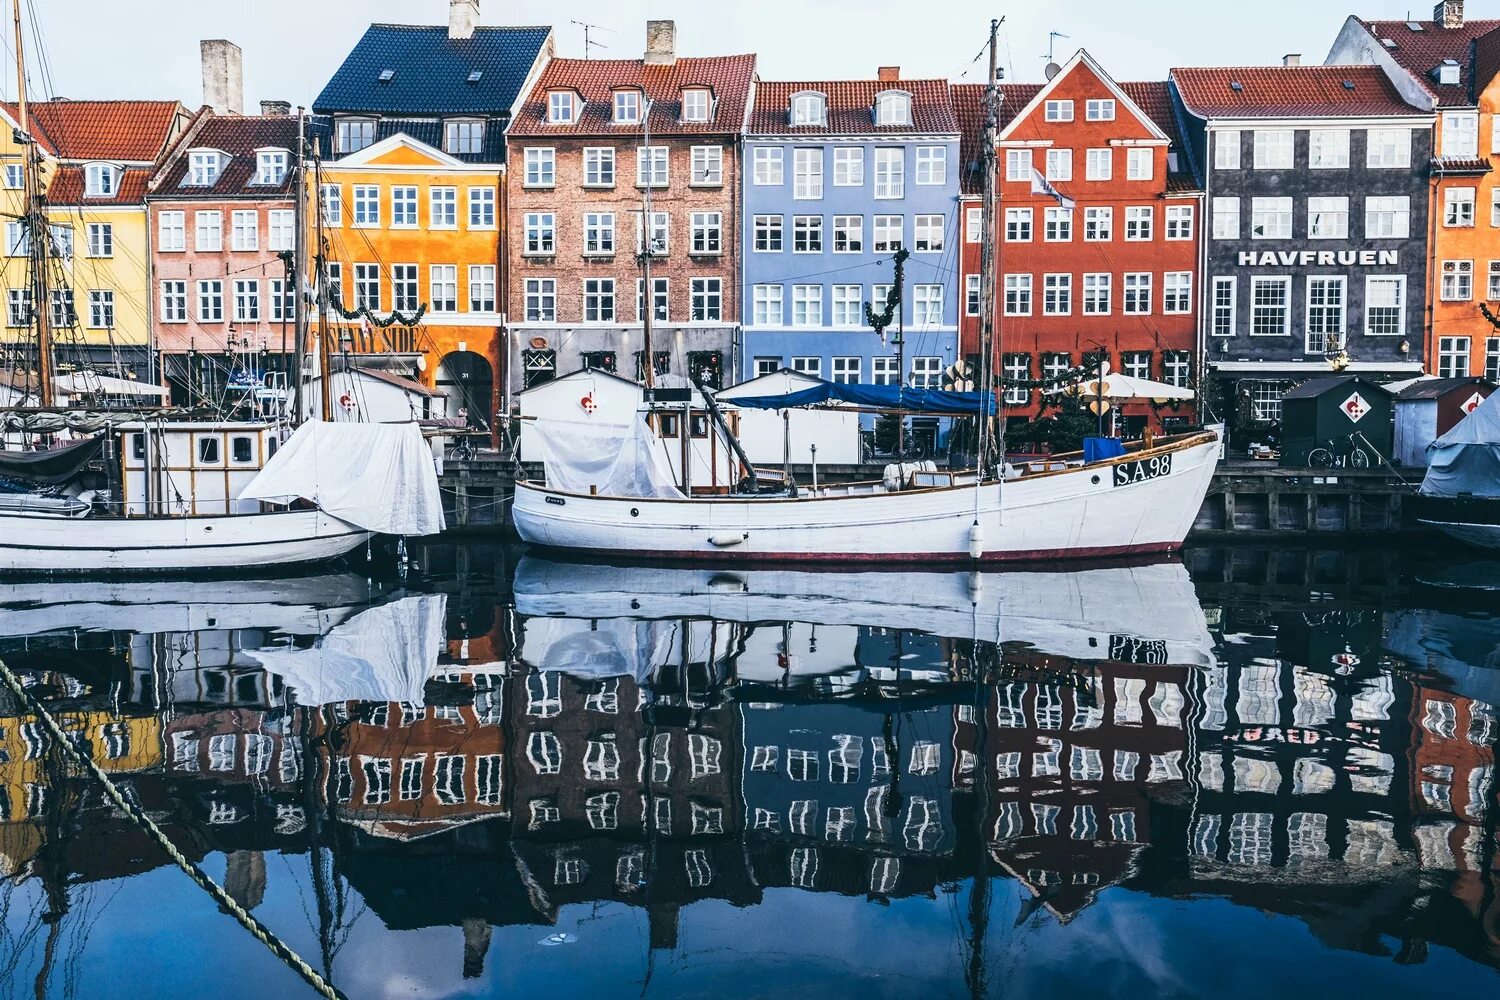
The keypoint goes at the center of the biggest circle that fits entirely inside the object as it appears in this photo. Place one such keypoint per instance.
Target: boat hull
(49, 545)
(1103, 510)
(1472, 520)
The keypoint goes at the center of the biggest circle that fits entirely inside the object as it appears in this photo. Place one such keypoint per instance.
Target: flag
(1040, 185)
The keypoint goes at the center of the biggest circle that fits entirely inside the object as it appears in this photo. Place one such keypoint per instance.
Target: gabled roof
(728, 77)
(1318, 386)
(850, 104)
(1437, 388)
(1290, 92)
(241, 137)
(1420, 52)
(1154, 98)
(431, 71)
(134, 131)
(395, 141)
(968, 108)
(1082, 59)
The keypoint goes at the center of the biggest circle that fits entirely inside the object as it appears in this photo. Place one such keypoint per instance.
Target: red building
(1107, 259)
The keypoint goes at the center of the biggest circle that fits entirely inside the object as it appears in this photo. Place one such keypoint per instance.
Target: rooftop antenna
(1052, 37)
(588, 43)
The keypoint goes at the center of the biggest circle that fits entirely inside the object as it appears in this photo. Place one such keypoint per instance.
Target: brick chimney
(463, 16)
(273, 109)
(1449, 13)
(223, 76)
(661, 43)
(1291, 59)
(887, 74)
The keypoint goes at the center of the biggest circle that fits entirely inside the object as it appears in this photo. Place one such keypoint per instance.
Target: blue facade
(835, 332)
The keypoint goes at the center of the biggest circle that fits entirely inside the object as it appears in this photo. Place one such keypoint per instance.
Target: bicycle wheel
(1359, 458)
(1320, 458)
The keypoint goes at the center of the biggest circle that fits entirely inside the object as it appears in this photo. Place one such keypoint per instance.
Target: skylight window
(475, 76)
(1447, 73)
(1236, 86)
(1414, 26)
(1389, 43)
(387, 75)
(1348, 84)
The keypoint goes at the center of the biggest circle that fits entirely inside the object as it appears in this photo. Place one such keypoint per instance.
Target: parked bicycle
(1352, 452)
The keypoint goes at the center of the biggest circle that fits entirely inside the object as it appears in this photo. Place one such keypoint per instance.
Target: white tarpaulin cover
(595, 650)
(1467, 458)
(616, 460)
(383, 654)
(379, 477)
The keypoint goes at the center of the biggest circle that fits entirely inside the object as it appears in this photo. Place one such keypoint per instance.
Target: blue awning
(887, 397)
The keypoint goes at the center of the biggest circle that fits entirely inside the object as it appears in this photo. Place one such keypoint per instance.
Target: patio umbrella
(1118, 387)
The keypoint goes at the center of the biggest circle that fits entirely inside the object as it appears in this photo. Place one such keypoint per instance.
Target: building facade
(1316, 228)
(593, 144)
(841, 175)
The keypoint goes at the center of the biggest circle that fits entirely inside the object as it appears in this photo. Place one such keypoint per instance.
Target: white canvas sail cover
(381, 655)
(1467, 458)
(617, 460)
(379, 477)
(596, 650)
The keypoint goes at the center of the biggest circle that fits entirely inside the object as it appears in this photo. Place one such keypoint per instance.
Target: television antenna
(1052, 37)
(588, 43)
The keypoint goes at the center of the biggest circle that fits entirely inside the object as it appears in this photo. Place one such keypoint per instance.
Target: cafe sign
(1320, 258)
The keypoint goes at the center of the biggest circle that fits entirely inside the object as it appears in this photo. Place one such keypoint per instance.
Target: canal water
(1252, 772)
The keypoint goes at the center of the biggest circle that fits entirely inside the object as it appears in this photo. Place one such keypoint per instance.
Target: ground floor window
(1176, 368)
(603, 361)
(927, 373)
(1265, 398)
(1492, 359)
(883, 371)
(1136, 364)
(846, 370)
(767, 366)
(808, 366)
(1016, 367)
(538, 367)
(661, 364)
(706, 367)
(1453, 357)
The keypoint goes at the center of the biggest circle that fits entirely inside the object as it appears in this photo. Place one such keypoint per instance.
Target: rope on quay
(257, 929)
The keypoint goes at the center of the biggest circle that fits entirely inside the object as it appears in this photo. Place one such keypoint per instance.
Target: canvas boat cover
(888, 397)
(384, 654)
(55, 466)
(617, 460)
(1467, 458)
(379, 477)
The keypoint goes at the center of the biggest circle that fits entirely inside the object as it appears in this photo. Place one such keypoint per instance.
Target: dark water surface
(1257, 772)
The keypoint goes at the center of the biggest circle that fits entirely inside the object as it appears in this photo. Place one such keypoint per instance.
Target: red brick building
(1110, 261)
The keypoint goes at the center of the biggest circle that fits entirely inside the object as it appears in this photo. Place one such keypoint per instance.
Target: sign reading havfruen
(1355, 407)
(1320, 258)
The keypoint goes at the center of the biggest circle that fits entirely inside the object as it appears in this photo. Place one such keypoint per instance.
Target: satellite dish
(1052, 70)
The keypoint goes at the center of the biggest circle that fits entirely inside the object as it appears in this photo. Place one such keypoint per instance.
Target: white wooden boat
(1143, 502)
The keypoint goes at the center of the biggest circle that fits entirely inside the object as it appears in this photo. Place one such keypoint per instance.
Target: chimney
(1449, 13)
(661, 43)
(887, 74)
(223, 76)
(463, 16)
(274, 109)
(1291, 59)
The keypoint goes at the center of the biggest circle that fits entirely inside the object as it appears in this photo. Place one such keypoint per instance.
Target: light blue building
(838, 176)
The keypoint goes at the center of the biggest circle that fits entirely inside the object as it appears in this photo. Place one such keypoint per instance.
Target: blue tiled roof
(431, 71)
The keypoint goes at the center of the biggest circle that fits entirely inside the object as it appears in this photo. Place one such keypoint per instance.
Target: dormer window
(101, 180)
(204, 166)
(1447, 73)
(463, 136)
(696, 103)
(809, 109)
(627, 107)
(270, 166)
(893, 108)
(562, 107)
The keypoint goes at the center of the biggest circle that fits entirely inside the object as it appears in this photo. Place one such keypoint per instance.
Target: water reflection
(503, 749)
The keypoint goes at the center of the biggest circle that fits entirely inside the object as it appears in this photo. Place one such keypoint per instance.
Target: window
(1018, 165)
(270, 166)
(367, 286)
(208, 231)
(1177, 292)
(63, 312)
(627, 107)
(1453, 362)
(972, 298)
(883, 371)
(1458, 280)
(599, 233)
(1057, 294)
(696, 103)
(927, 372)
(1099, 164)
(211, 301)
(1058, 226)
(541, 233)
(1270, 301)
(1493, 291)
(1492, 358)
(893, 108)
(1325, 315)
(807, 305)
(807, 234)
(927, 233)
(848, 166)
(1328, 148)
(599, 166)
(768, 165)
(173, 303)
(1388, 148)
(1098, 225)
(1273, 149)
(336, 282)
(354, 134)
(366, 205)
(1226, 218)
(1271, 218)
(1385, 306)
(1227, 150)
(443, 288)
(599, 300)
(463, 137)
(1018, 225)
(541, 167)
(1016, 368)
(1139, 223)
(403, 207)
(890, 169)
(15, 176)
(1137, 295)
(1140, 164)
(246, 300)
(1176, 368)
(171, 233)
(807, 109)
(541, 300)
(561, 106)
(1460, 134)
(932, 165)
(443, 204)
(1059, 164)
(1458, 207)
(331, 202)
(18, 306)
(848, 234)
(280, 229)
(807, 174)
(448, 779)
(847, 305)
(101, 309)
(1328, 218)
(927, 305)
(766, 230)
(1388, 218)
(707, 300)
(1096, 294)
(283, 302)
(1099, 109)
(767, 305)
(1179, 222)
(244, 231)
(1224, 303)
(404, 293)
(1495, 203)
(707, 166)
(101, 239)
(887, 233)
(707, 233)
(661, 231)
(1018, 295)
(808, 366)
(1058, 111)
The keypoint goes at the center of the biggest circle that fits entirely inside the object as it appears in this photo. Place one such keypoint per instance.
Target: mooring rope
(257, 929)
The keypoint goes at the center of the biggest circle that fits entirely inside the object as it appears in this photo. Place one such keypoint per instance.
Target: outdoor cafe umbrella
(1118, 388)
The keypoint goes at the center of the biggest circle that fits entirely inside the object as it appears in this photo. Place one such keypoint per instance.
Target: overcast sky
(149, 48)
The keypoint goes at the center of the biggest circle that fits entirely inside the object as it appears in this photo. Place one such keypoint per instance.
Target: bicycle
(1339, 453)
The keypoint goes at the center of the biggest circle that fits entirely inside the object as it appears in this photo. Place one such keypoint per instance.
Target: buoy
(976, 541)
(724, 541)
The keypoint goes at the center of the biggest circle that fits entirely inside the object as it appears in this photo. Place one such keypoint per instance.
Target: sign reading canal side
(1142, 470)
(1320, 258)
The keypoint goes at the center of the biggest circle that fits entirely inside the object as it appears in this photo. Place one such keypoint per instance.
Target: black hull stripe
(169, 548)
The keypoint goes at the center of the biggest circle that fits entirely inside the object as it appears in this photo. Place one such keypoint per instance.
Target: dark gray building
(1315, 231)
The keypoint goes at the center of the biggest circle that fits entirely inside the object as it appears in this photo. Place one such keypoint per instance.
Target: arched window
(809, 109)
(893, 108)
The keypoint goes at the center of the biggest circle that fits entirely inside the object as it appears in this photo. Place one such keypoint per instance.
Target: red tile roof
(102, 130)
(851, 107)
(1014, 97)
(240, 137)
(729, 77)
(67, 188)
(1420, 52)
(968, 108)
(1289, 92)
(1154, 98)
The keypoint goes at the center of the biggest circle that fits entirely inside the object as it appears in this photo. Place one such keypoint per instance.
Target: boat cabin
(191, 467)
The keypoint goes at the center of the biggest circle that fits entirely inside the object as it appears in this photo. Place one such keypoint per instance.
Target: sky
(107, 49)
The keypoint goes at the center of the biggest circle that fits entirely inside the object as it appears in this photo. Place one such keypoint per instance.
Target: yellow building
(119, 744)
(97, 157)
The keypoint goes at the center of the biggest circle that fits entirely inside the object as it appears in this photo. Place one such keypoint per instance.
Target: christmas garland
(1075, 374)
(394, 319)
(1484, 310)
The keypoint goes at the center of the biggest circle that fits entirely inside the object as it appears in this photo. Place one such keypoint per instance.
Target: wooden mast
(38, 233)
(987, 246)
